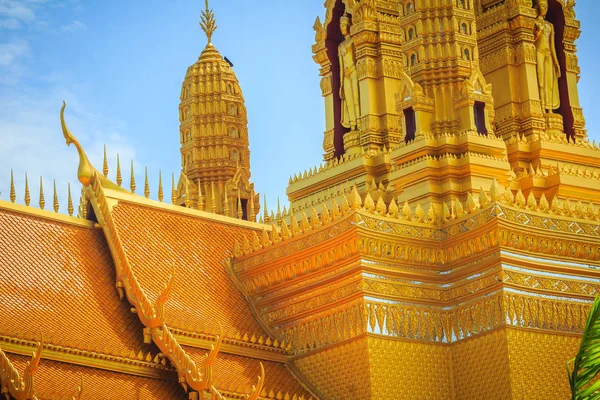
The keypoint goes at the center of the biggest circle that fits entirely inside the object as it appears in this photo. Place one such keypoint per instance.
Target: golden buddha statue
(348, 78)
(548, 68)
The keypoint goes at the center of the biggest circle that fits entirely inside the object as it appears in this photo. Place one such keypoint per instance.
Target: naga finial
(208, 22)
(85, 172)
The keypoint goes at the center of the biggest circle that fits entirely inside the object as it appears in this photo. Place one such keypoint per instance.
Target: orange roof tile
(203, 295)
(59, 278)
(61, 379)
(237, 374)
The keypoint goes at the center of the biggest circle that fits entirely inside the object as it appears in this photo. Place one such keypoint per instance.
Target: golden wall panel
(341, 372)
(537, 364)
(481, 367)
(409, 370)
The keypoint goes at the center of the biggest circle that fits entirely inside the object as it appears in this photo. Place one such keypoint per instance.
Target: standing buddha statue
(548, 67)
(349, 78)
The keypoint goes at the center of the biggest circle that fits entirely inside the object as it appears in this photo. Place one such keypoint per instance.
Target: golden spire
(173, 192)
(42, 199)
(265, 209)
(188, 201)
(160, 188)
(13, 195)
(240, 214)
(213, 203)
(27, 196)
(132, 179)
(208, 22)
(119, 176)
(70, 201)
(252, 216)
(200, 197)
(278, 215)
(146, 185)
(55, 198)
(105, 164)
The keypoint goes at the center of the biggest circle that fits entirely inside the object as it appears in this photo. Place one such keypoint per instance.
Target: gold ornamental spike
(160, 186)
(70, 201)
(13, 195)
(105, 164)
(173, 192)
(265, 210)
(355, 200)
(544, 205)
(431, 217)
(285, 231)
(27, 196)
(275, 238)
(42, 199)
(369, 204)
(393, 209)
(200, 196)
(188, 200)
(446, 215)
(252, 216)
(208, 22)
(55, 199)
(314, 218)
(278, 215)
(531, 201)
(240, 213)
(146, 185)
(213, 201)
(484, 200)
(119, 176)
(132, 179)
(325, 214)
(266, 242)
(380, 208)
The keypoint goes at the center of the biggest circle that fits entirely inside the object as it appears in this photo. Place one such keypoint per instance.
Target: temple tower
(215, 157)
(420, 85)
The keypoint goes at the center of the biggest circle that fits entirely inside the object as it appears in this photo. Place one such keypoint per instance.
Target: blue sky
(120, 64)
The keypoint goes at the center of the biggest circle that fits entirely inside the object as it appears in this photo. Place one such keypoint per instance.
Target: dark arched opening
(556, 16)
(334, 38)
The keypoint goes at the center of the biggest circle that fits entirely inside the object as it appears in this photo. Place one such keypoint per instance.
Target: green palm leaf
(586, 364)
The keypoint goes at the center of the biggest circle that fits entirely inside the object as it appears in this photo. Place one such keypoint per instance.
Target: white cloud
(19, 10)
(31, 141)
(10, 53)
(74, 26)
(9, 23)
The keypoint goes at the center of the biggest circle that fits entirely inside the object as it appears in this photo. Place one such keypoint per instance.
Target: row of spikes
(59, 343)
(42, 198)
(310, 201)
(522, 138)
(447, 134)
(574, 170)
(238, 337)
(271, 395)
(132, 182)
(201, 204)
(445, 156)
(450, 211)
(133, 186)
(344, 158)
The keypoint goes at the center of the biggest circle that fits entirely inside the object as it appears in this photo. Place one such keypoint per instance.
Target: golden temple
(448, 247)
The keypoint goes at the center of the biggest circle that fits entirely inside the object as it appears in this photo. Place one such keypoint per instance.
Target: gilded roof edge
(46, 214)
